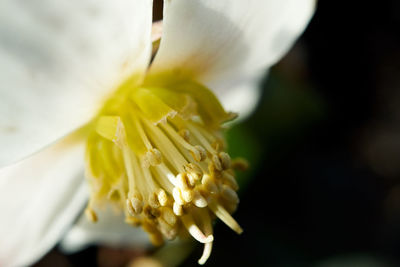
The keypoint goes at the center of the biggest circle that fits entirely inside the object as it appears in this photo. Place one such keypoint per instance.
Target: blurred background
(324, 146)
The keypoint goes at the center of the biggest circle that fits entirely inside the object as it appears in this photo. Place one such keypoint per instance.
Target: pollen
(157, 153)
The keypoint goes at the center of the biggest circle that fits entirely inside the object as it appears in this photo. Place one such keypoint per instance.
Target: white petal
(59, 60)
(219, 41)
(242, 96)
(110, 230)
(40, 198)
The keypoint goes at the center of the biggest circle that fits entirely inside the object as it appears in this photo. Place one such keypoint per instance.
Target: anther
(199, 200)
(209, 184)
(187, 195)
(225, 160)
(178, 209)
(129, 207)
(229, 194)
(136, 203)
(230, 180)
(154, 156)
(217, 163)
(91, 215)
(182, 181)
(151, 213)
(169, 216)
(133, 221)
(162, 197)
(153, 200)
(198, 153)
(184, 133)
(177, 195)
(240, 164)
(194, 171)
(170, 232)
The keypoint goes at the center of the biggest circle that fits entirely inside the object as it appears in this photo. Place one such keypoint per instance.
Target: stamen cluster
(168, 177)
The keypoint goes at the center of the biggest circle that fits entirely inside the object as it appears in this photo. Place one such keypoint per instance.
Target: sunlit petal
(59, 60)
(228, 41)
(40, 198)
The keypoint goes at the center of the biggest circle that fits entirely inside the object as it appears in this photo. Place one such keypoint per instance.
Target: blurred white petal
(110, 230)
(40, 198)
(58, 62)
(241, 96)
(224, 42)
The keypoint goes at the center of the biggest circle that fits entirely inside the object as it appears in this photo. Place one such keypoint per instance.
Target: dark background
(324, 187)
(326, 190)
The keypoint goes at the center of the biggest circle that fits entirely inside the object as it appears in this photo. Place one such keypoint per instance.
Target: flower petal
(110, 230)
(39, 198)
(225, 40)
(241, 97)
(60, 60)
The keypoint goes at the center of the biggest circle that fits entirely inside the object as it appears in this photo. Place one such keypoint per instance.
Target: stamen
(225, 160)
(162, 197)
(206, 253)
(225, 217)
(90, 214)
(205, 218)
(240, 164)
(229, 194)
(194, 230)
(162, 162)
(166, 146)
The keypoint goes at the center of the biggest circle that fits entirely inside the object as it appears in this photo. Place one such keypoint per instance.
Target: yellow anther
(194, 172)
(230, 180)
(91, 214)
(136, 203)
(149, 226)
(198, 153)
(240, 164)
(199, 200)
(170, 232)
(162, 197)
(130, 208)
(154, 156)
(153, 200)
(168, 215)
(225, 160)
(187, 195)
(212, 168)
(217, 163)
(177, 194)
(185, 134)
(133, 221)
(151, 213)
(209, 184)
(178, 209)
(183, 181)
(229, 194)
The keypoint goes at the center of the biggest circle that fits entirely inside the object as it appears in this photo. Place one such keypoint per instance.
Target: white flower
(62, 61)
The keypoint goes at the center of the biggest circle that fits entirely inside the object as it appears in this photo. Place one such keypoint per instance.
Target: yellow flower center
(157, 152)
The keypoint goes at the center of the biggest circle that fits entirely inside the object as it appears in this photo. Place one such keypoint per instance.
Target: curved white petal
(224, 40)
(40, 197)
(59, 60)
(242, 96)
(110, 230)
